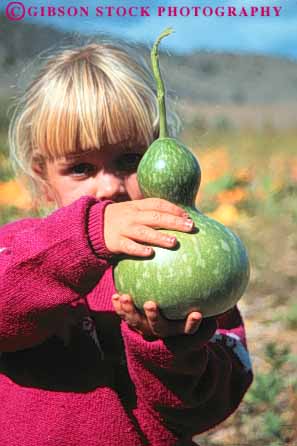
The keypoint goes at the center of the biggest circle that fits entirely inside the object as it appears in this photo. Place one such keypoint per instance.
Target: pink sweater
(71, 374)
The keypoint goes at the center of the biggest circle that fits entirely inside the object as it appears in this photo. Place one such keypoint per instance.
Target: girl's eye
(129, 162)
(82, 169)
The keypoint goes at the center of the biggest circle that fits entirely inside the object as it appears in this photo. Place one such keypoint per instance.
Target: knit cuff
(145, 351)
(96, 229)
(163, 351)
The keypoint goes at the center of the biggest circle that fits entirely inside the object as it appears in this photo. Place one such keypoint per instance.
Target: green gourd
(208, 270)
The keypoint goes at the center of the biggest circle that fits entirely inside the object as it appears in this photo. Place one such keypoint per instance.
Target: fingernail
(189, 223)
(149, 306)
(148, 251)
(116, 297)
(171, 240)
(124, 299)
(185, 215)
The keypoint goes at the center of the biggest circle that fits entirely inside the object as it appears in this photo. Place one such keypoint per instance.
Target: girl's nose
(110, 187)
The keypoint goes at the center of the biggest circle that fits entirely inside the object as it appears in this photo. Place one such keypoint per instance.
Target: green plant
(290, 318)
(222, 123)
(225, 182)
(9, 213)
(6, 171)
(4, 115)
(264, 402)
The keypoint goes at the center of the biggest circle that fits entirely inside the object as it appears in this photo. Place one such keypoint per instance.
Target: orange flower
(227, 214)
(244, 175)
(232, 196)
(13, 194)
(214, 163)
(294, 170)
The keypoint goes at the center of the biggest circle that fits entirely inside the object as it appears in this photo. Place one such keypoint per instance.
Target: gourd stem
(159, 83)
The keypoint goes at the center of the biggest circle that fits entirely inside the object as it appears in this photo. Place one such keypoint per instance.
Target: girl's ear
(47, 192)
(39, 169)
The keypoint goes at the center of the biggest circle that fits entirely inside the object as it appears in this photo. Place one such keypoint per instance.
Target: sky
(274, 34)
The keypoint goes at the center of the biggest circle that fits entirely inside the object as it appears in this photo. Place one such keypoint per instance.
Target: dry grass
(280, 116)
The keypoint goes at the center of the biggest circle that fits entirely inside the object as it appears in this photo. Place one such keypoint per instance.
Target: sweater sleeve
(195, 381)
(46, 266)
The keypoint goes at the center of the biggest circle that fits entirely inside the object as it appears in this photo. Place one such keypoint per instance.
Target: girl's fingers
(116, 303)
(192, 323)
(128, 246)
(127, 223)
(122, 305)
(160, 326)
(154, 318)
(151, 236)
(163, 327)
(125, 308)
(127, 305)
(153, 323)
(160, 205)
(156, 219)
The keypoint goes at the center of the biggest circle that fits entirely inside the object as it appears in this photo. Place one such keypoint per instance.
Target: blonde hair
(83, 98)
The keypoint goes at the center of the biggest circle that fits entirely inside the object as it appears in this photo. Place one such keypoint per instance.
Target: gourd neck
(168, 169)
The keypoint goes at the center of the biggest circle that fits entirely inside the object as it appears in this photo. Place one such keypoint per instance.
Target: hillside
(208, 83)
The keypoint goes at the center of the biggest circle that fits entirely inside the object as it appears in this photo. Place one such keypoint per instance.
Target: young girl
(79, 364)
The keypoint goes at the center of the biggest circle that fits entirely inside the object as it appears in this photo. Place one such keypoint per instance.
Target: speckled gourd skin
(169, 170)
(208, 270)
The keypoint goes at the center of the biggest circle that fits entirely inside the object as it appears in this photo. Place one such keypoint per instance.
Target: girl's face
(108, 173)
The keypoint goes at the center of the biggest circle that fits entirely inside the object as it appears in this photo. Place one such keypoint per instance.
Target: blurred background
(233, 81)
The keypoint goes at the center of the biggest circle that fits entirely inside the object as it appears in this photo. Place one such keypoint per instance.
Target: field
(249, 182)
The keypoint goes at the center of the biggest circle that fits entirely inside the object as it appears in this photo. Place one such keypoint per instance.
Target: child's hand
(129, 224)
(152, 325)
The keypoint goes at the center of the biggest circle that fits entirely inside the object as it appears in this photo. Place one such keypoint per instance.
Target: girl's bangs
(97, 116)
